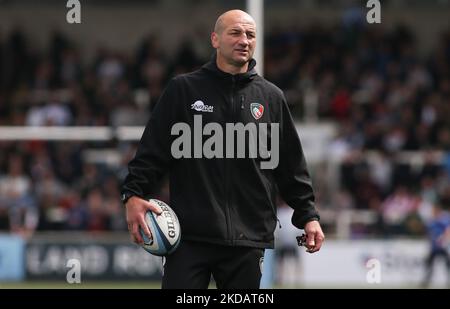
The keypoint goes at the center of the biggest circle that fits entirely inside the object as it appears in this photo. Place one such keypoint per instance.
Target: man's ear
(215, 40)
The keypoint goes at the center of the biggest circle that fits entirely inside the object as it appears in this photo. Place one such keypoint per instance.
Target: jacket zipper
(228, 172)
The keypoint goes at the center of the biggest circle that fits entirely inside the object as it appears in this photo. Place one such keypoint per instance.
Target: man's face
(236, 41)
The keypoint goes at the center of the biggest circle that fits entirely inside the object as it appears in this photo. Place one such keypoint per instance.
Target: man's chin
(240, 61)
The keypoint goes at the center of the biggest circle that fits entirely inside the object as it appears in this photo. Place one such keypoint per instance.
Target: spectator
(439, 235)
(17, 197)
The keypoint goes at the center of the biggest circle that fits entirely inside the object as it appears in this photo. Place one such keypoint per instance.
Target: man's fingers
(318, 240)
(135, 233)
(315, 236)
(145, 228)
(310, 243)
(133, 239)
(136, 210)
(154, 207)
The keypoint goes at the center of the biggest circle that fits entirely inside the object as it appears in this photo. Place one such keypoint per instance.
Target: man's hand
(314, 236)
(136, 209)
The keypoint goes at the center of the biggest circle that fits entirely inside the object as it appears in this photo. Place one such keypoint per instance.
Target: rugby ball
(165, 229)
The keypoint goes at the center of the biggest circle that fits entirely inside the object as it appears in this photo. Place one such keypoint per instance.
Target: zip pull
(242, 101)
(279, 223)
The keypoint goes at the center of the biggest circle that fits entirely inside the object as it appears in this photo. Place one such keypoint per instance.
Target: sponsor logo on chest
(199, 106)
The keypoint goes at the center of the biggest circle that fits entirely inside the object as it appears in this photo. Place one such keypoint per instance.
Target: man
(439, 235)
(225, 203)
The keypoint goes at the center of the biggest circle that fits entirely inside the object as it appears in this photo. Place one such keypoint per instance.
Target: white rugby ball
(165, 229)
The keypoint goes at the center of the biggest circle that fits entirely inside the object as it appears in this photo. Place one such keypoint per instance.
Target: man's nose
(244, 40)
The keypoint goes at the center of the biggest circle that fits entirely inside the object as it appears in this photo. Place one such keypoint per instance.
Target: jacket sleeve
(292, 177)
(147, 169)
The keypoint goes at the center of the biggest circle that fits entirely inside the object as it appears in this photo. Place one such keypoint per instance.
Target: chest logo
(257, 110)
(199, 106)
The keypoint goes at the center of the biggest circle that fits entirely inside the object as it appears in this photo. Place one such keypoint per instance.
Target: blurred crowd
(383, 94)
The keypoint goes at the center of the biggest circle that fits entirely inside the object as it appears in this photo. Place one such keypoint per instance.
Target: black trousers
(193, 263)
(433, 255)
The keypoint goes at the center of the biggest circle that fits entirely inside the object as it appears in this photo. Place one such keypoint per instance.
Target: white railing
(67, 133)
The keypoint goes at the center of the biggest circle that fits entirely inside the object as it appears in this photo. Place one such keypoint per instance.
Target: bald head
(234, 39)
(231, 17)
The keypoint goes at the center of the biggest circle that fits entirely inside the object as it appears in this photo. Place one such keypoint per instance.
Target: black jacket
(229, 201)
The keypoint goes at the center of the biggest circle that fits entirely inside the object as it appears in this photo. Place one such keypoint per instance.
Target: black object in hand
(301, 240)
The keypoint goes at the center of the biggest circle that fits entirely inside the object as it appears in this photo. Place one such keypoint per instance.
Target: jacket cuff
(300, 218)
(125, 196)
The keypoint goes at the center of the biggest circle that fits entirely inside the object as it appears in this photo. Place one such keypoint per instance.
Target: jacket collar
(211, 67)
